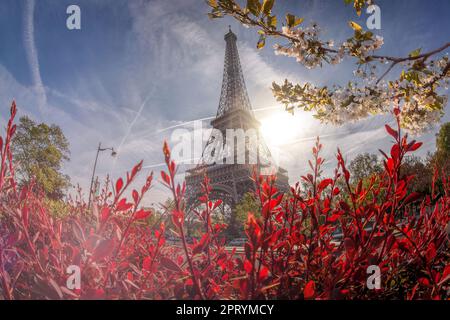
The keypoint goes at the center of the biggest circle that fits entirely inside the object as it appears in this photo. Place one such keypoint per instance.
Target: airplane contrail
(162, 164)
(32, 55)
(183, 124)
(138, 114)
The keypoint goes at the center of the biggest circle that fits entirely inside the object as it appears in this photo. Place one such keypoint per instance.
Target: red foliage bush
(291, 251)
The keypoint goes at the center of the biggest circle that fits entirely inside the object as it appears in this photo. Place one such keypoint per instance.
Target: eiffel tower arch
(230, 179)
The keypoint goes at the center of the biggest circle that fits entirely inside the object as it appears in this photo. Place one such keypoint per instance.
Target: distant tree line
(364, 165)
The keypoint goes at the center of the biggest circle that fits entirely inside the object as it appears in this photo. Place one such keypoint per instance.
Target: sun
(279, 128)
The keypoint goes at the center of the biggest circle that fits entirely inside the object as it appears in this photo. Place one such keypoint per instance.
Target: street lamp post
(113, 153)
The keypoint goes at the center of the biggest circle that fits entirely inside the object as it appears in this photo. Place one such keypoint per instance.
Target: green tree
(441, 157)
(423, 174)
(363, 166)
(39, 151)
(247, 204)
(417, 87)
(443, 140)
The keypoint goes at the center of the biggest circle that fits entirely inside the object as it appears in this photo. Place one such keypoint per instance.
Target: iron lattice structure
(234, 93)
(231, 179)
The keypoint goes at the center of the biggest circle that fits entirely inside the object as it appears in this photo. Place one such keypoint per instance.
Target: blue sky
(137, 67)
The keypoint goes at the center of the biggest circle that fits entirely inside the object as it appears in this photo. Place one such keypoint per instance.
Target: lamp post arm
(93, 174)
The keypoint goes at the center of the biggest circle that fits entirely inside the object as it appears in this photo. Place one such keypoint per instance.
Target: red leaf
(172, 167)
(142, 214)
(324, 183)
(119, 185)
(103, 249)
(248, 266)
(104, 214)
(263, 274)
(334, 217)
(135, 196)
(177, 218)
(344, 205)
(395, 152)
(129, 276)
(336, 191)
(391, 131)
(200, 246)
(13, 109)
(253, 230)
(346, 175)
(136, 169)
(424, 282)
(169, 264)
(25, 215)
(166, 151)
(146, 263)
(415, 146)
(445, 273)
(389, 165)
(309, 290)
(414, 196)
(165, 177)
(431, 252)
(217, 203)
(349, 245)
(123, 205)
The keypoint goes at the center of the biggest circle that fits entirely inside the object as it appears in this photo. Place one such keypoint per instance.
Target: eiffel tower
(231, 179)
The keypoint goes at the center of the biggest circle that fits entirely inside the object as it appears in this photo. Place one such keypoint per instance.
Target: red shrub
(291, 252)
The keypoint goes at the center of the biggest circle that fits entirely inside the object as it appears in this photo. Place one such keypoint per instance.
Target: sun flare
(280, 127)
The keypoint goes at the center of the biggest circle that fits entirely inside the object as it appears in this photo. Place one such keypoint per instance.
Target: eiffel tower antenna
(234, 92)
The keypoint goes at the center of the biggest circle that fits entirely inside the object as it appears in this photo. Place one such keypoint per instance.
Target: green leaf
(261, 42)
(272, 21)
(368, 35)
(254, 6)
(402, 75)
(275, 87)
(215, 15)
(293, 21)
(354, 26)
(298, 21)
(212, 3)
(290, 18)
(415, 53)
(267, 6)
